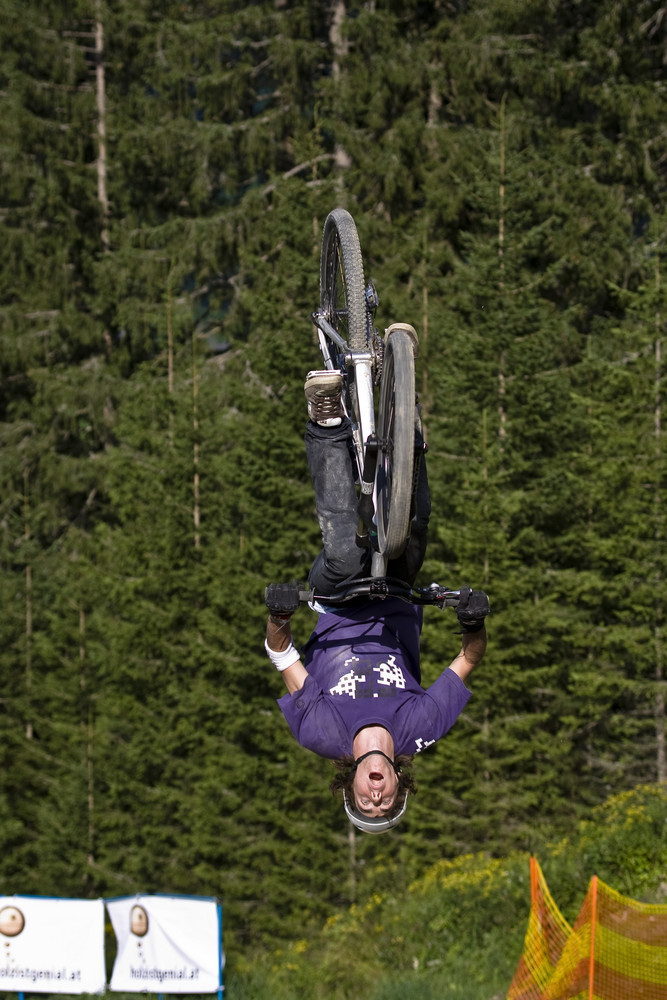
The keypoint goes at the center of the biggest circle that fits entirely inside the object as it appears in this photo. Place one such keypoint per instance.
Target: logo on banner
(138, 921)
(51, 945)
(170, 943)
(12, 921)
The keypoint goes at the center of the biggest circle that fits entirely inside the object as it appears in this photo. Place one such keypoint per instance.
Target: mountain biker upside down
(353, 692)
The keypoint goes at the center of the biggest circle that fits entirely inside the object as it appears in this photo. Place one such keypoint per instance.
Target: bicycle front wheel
(396, 437)
(342, 296)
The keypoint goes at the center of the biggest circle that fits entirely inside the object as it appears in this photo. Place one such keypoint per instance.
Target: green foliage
(457, 930)
(504, 162)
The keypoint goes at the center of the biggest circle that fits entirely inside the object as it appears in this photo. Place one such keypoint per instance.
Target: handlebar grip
(451, 600)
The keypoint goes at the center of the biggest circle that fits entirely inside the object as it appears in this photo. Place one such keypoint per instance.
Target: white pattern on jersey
(390, 673)
(348, 682)
(422, 744)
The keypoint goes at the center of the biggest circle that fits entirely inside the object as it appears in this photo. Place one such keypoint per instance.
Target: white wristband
(283, 660)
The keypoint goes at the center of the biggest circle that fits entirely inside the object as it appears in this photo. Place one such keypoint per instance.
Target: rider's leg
(407, 565)
(329, 454)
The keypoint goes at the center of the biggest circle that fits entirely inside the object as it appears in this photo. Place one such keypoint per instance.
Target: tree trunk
(501, 273)
(87, 725)
(101, 127)
(28, 607)
(170, 360)
(339, 45)
(195, 458)
(661, 763)
(352, 842)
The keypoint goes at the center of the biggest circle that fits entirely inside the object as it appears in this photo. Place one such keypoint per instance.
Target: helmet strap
(370, 753)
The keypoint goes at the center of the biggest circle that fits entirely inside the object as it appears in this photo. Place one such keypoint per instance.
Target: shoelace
(325, 404)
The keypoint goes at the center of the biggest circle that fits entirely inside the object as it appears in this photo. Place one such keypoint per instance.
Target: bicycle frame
(362, 362)
(364, 428)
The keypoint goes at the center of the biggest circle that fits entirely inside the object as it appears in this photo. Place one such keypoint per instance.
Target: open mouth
(376, 776)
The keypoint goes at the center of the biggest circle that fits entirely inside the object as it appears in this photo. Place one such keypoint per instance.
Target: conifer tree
(505, 166)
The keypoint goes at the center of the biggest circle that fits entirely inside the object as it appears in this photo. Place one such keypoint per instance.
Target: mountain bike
(384, 439)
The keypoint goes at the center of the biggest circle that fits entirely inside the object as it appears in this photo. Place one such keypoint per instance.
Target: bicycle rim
(342, 297)
(396, 434)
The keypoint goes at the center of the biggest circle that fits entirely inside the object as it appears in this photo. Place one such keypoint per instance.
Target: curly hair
(344, 777)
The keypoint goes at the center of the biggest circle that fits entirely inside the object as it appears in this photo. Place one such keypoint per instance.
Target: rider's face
(375, 785)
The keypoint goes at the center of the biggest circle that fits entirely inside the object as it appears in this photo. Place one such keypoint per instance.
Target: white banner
(51, 945)
(166, 944)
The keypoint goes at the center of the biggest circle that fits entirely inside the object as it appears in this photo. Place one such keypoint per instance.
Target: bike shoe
(323, 394)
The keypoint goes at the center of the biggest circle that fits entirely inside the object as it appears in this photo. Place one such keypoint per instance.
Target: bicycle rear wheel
(396, 435)
(342, 297)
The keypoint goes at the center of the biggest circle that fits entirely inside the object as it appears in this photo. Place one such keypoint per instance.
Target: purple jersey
(363, 670)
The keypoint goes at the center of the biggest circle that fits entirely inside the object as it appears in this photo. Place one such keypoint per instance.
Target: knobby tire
(343, 302)
(342, 295)
(396, 434)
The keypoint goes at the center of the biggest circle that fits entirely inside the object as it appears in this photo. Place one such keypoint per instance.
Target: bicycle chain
(378, 352)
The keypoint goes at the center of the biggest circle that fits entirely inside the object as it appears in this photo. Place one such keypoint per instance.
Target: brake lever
(443, 597)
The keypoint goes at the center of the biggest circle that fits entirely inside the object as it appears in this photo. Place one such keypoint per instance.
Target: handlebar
(379, 588)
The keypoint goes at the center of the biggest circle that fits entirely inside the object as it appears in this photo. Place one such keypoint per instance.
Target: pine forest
(165, 175)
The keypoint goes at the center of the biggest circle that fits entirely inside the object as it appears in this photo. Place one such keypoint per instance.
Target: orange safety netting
(616, 950)
(545, 940)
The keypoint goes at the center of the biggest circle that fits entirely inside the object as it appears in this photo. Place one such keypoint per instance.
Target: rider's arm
(279, 638)
(473, 647)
